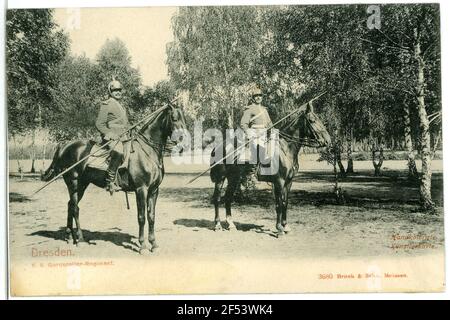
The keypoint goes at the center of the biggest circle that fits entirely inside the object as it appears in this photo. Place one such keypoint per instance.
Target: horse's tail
(214, 174)
(54, 169)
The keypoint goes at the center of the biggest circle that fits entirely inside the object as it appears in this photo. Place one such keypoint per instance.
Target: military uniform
(112, 120)
(255, 117)
(254, 121)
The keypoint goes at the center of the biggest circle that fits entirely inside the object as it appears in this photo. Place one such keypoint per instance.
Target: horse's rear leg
(77, 190)
(233, 184)
(216, 200)
(141, 200)
(151, 213)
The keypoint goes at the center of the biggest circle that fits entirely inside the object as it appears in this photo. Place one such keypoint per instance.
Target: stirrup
(111, 187)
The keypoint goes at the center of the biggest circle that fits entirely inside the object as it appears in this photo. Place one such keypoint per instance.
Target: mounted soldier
(255, 121)
(112, 121)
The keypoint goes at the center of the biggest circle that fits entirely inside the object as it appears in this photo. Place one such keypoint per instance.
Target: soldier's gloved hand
(111, 136)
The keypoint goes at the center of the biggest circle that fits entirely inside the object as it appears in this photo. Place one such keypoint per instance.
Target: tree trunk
(33, 151)
(349, 154)
(436, 139)
(412, 169)
(19, 164)
(338, 193)
(377, 165)
(341, 166)
(230, 118)
(43, 156)
(424, 129)
(339, 162)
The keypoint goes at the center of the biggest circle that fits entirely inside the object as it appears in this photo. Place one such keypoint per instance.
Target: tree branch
(392, 41)
(433, 114)
(387, 46)
(434, 118)
(426, 51)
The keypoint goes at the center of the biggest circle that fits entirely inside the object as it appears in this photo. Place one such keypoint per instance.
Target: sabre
(301, 108)
(147, 118)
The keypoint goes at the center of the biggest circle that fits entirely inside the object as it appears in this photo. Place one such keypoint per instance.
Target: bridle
(299, 140)
(156, 145)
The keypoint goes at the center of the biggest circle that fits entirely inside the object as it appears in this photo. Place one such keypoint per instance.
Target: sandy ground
(377, 209)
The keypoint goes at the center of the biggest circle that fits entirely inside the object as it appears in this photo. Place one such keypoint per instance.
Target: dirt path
(377, 209)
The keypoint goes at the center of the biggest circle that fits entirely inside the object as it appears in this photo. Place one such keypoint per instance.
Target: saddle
(99, 160)
(264, 171)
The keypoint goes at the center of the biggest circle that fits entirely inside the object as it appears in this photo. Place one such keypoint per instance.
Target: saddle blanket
(99, 158)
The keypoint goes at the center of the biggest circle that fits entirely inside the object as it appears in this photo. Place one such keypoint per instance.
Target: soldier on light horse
(305, 129)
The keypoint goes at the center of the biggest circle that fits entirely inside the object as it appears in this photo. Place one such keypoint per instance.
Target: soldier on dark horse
(143, 167)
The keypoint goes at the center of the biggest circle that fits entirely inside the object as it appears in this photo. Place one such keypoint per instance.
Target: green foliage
(114, 61)
(213, 59)
(34, 49)
(78, 99)
(83, 85)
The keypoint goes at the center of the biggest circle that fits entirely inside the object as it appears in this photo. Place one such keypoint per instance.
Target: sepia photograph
(251, 149)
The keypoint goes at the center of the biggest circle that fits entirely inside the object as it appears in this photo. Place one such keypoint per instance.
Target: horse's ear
(175, 112)
(309, 107)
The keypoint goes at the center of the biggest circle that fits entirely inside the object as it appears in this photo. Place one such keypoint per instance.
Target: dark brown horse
(145, 172)
(305, 129)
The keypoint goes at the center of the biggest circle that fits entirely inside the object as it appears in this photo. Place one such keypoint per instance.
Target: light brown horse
(305, 129)
(145, 172)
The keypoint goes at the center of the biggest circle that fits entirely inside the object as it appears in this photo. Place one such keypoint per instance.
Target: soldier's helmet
(113, 86)
(256, 92)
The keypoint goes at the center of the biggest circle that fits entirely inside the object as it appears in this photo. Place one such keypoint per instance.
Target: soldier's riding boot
(126, 152)
(116, 159)
(254, 162)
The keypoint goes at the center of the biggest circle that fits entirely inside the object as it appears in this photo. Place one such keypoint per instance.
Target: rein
(297, 140)
(156, 145)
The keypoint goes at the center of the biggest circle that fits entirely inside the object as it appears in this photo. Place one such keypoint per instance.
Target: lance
(147, 118)
(301, 108)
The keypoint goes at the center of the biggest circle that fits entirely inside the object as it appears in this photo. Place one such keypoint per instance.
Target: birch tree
(213, 58)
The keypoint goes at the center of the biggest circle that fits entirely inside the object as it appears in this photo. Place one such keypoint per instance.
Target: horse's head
(176, 119)
(312, 130)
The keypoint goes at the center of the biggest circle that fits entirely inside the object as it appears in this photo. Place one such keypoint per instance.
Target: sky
(145, 32)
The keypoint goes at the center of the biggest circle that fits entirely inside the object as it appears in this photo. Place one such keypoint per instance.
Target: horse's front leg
(141, 201)
(278, 193)
(285, 198)
(151, 205)
(69, 233)
(216, 201)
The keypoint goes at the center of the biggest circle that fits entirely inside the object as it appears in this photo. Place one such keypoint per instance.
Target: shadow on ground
(18, 197)
(389, 191)
(209, 224)
(117, 238)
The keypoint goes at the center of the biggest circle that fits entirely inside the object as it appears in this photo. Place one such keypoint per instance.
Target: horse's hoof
(144, 251)
(68, 238)
(231, 227)
(280, 234)
(82, 244)
(218, 227)
(287, 229)
(155, 249)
